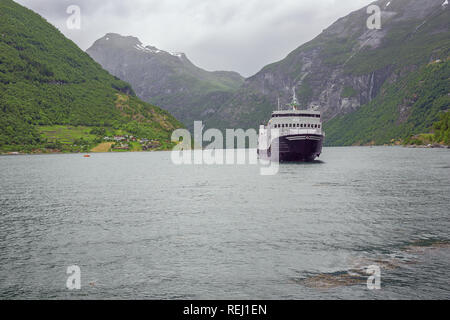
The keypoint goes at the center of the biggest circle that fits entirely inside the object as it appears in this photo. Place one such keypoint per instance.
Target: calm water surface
(140, 227)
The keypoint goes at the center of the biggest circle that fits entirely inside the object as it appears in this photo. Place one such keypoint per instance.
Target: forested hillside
(371, 85)
(46, 80)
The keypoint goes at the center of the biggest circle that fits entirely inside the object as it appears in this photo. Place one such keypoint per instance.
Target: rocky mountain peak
(117, 40)
(348, 65)
(167, 79)
(114, 41)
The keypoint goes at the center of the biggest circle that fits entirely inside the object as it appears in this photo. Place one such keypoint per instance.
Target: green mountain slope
(45, 79)
(408, 107)
(169, 80)
(361, 79)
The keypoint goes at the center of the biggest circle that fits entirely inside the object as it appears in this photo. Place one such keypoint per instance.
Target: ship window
(319, 126)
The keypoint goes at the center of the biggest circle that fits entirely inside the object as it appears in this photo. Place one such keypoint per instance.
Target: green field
(66, 134)
(52, 93)
(60, 138)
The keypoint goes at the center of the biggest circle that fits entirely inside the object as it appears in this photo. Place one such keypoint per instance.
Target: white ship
(292, 135)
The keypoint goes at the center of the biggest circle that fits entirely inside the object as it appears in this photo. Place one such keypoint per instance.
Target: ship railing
(291, 131)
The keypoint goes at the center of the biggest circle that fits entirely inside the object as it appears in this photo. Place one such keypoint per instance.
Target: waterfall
(371, 85)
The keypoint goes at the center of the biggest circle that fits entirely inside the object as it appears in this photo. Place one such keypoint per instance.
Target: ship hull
(294, 148)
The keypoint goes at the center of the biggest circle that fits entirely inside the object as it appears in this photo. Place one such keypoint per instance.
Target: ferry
(292, 135)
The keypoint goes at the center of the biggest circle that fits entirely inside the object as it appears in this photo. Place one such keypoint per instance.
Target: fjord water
(140, 227)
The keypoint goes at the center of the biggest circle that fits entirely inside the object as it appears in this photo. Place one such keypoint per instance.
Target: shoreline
(18, 153)
(429, 146)
(80, 153)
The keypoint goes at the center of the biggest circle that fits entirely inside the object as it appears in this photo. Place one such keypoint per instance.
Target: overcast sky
(237, 35)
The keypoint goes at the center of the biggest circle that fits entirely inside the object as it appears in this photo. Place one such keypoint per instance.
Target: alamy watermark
(374, 280)
(74, 280)
(192, 151)
(74, 20)
(374, 21)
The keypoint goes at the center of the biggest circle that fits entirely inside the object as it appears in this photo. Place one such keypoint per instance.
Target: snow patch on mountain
(154, 50)
(177, 54)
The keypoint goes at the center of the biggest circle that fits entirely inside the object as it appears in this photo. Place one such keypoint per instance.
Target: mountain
(169, 80)
(371, 85)
(46, 80)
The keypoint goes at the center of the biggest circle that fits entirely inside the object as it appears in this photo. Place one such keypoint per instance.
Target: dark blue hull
(294, 148)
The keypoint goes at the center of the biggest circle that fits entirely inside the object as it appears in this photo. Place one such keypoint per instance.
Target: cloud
(236, 35)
